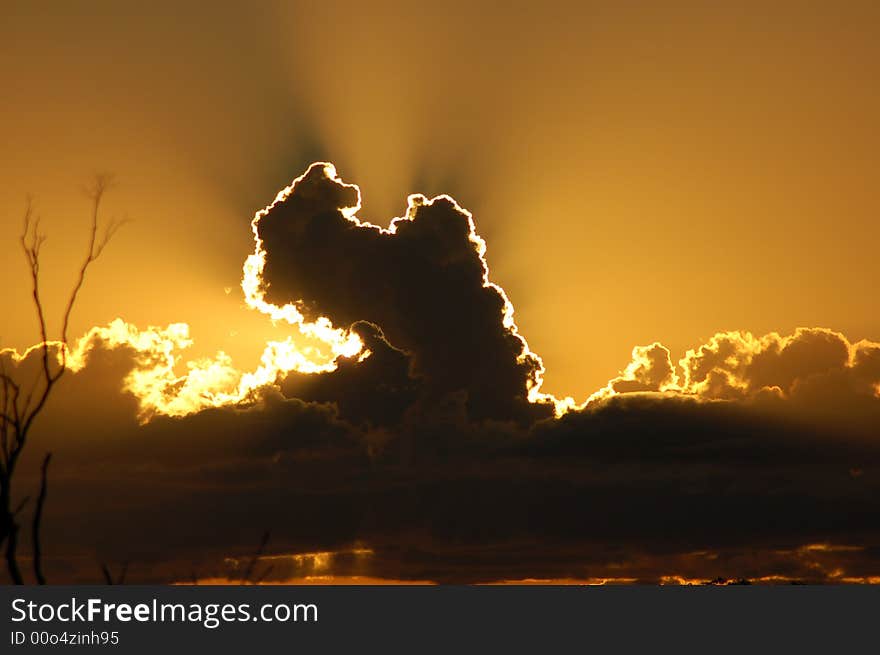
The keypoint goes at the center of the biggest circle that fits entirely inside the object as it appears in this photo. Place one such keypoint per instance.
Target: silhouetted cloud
(377, 389)
(423, 280)
(813, 373)
(422, 444)
(638, 485)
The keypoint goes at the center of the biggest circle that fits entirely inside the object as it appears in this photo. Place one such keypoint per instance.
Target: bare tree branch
(264, 574)
(96, 247)
(16, 415)
(38, 516)
(108, 579)
(21, 505)
(122, 573)
(249, 571)
(11, 554)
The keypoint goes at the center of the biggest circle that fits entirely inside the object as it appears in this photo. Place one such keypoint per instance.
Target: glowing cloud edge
(215, 382)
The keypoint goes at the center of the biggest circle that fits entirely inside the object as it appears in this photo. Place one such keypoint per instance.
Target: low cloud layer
(417, 444)
(815, 373)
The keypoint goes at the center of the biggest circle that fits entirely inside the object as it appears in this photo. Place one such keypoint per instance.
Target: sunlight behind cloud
(729, 366)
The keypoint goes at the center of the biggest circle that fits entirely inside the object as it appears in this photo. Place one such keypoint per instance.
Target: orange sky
(639, 173)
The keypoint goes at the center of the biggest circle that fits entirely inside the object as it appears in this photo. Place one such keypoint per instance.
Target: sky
(691, 168)
(695, 181)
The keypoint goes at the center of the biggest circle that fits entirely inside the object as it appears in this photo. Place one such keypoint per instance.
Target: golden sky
(639, 173)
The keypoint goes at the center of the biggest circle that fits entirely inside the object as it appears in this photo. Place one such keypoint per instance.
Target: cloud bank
(815, 373)
(403, 420)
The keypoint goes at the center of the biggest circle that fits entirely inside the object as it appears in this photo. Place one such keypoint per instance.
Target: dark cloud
(639, 485)
(423, 281)
(377, 390)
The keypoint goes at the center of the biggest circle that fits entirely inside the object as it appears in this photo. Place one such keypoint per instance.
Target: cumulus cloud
(651, 369)
(423, 280)
(814, 370)
(376, 389)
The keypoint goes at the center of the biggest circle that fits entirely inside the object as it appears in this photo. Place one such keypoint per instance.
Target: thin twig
(107, 577)
(122, 573)
(249, 571)
(20, 506)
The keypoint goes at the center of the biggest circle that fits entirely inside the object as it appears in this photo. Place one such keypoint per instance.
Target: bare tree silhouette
(20, 406)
